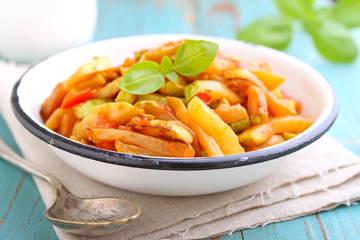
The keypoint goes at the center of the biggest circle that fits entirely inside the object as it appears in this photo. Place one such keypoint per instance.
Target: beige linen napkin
(319, 177)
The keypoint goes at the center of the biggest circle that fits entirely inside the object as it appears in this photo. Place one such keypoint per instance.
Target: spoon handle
(8, 154)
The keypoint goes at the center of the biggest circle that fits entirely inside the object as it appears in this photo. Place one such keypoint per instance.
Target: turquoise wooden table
(21, 207)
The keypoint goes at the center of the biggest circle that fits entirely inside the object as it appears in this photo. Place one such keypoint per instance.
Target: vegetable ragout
(181, 99)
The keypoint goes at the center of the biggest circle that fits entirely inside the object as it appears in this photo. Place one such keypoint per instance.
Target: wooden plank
(231, 236)
(340, 223)
(9, 176)
(346, 85)
(8, 189)
(124, 18)
(225, 18)
(21, 208)
(300, 228)
(353, 213)
(25, 218)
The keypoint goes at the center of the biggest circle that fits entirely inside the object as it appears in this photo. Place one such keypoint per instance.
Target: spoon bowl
(80, 216)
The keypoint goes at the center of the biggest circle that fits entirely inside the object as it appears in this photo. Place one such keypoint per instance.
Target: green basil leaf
(274, 32)
(297, 9)
(166, 64)
(346, 12)
(172, 75)
(333, 40)
(194, 57)
(143, 78)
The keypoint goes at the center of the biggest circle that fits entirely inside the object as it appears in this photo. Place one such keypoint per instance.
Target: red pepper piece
(72, 97)
(106, 145)
(104, 122)
(204, 96)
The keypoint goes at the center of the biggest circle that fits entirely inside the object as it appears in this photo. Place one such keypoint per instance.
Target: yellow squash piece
(53, 122)
(158, 110)
(152, 97)
(172, 88)
(125, 97)
(217, 128)
(215, 89)
(61, 121)
(195, 144)
(276, 105)
(67, 123)
(132, 149)
(206, 141)
(270, 80)
(164, 129)
(240, 126)
(257, 105)
(277, 92)
(162, 146)
(218, 66)
(279, 107)
(52, 102)
(86, 71)
(96, 81)
(230, 113)
(258, 134)
(119, 112)
(110, 90)
(82, 109)
(288, 135)
(274, 140)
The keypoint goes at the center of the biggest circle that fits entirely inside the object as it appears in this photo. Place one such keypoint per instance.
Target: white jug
(33, 29)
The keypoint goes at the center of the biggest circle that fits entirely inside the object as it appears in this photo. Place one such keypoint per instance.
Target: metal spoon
(81, 216)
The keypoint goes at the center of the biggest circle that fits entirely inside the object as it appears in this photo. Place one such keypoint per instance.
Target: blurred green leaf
(274, 32)
(333, 40)
(346, 12)
(328, 26)
(323, 13)
(297, 9)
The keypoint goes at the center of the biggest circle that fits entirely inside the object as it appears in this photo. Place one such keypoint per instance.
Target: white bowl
(173, 176)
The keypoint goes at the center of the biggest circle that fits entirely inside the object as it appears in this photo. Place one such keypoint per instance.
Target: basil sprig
(191, 58)
(329, 27)
(166, 66)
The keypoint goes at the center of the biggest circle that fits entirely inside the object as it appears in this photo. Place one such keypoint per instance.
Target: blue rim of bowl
(162, 163)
